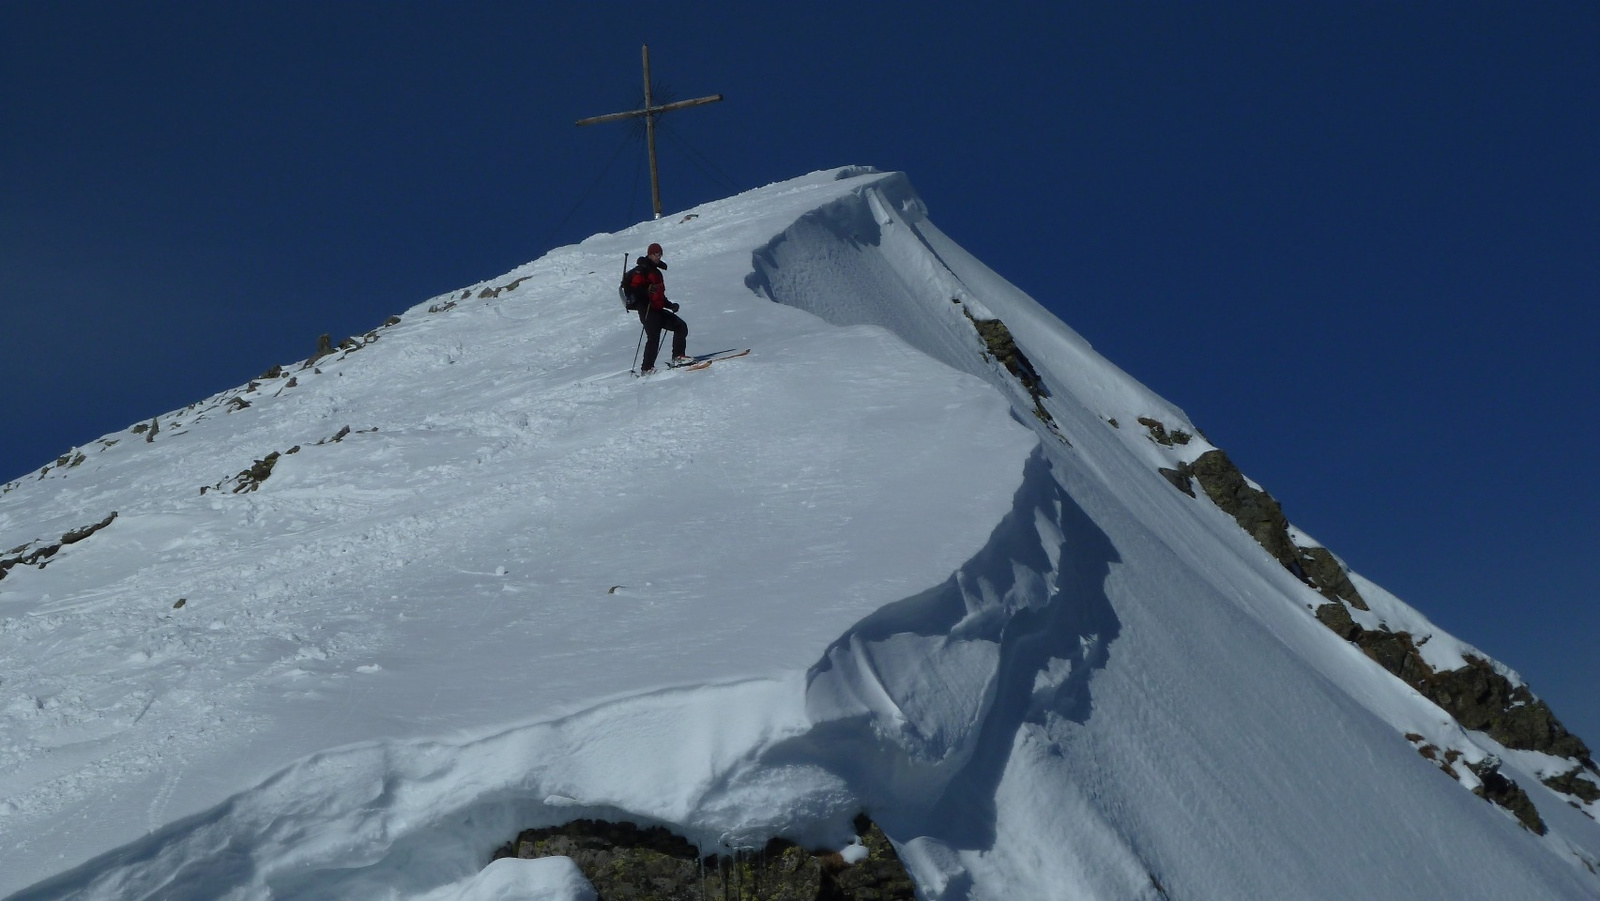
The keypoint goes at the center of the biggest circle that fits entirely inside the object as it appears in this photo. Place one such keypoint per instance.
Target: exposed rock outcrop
(1258, 513)
(626, 862)
(1499, 790)
(1576, 784)
(28, 555)
(495, 292)
(1160, 435)
(1003, 348)
(1482, 699)
(1476, 695)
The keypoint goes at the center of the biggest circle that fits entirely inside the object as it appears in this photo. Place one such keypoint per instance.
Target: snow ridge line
(871, 258)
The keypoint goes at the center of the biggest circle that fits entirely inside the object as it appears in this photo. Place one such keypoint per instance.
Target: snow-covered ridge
(908, 262)
(864, 567)
(874, 258)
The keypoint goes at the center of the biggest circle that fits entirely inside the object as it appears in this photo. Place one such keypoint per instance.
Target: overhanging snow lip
(1034, 601)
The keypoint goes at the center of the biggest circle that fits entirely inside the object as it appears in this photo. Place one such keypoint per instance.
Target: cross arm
(650, 110)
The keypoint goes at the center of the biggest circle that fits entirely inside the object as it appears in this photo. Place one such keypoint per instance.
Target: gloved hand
(672, 306)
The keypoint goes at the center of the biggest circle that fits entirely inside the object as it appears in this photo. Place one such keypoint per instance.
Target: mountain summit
(922, 554)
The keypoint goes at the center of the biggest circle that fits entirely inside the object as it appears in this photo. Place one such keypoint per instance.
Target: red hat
(654, 248)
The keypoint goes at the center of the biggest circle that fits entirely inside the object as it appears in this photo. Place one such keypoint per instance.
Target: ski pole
(622, 289)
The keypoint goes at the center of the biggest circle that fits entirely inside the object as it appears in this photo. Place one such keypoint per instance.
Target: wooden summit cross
(650, 112)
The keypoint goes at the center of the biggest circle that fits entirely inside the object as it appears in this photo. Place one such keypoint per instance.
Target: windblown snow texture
(356, 624)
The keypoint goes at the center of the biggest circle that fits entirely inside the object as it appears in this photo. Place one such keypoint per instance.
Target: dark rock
(1573, 783)
(1159, 434)
(880, 876)
(20, 556)
(626, 862)
(77, 535)
(1497, 789)
(1179, 478)
(1397, 653)
(1431, 753)
(41, 555)
(251, 478)
(1336, 616)
(324, 348)
(1253, 509)
(1475, 695)
(1480, 698)
(997, 338)
(1004, 349)
(1326, 575)
(1258, 513)
(6, 563)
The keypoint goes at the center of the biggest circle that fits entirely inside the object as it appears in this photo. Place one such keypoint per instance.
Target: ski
(703, 362)
(700, 362)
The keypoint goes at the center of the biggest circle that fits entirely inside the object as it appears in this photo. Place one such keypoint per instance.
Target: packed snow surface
(491, 581)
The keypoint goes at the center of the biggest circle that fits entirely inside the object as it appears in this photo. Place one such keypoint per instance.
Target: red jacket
(647, 279)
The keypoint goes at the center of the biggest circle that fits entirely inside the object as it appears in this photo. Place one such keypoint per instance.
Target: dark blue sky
(1358, 242)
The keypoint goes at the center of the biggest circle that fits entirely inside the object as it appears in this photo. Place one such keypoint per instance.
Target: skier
(657, 312)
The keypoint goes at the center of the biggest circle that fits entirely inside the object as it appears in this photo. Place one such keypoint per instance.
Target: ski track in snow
(502, 584)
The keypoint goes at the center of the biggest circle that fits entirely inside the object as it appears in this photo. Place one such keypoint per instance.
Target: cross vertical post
(649, 113)
(650, 135)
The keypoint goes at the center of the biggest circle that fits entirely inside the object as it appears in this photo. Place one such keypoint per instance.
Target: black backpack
(632, 300)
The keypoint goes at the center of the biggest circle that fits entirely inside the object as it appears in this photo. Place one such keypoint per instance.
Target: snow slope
(491, 582)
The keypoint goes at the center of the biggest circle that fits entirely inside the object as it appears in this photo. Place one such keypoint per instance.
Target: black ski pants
(656, 320)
